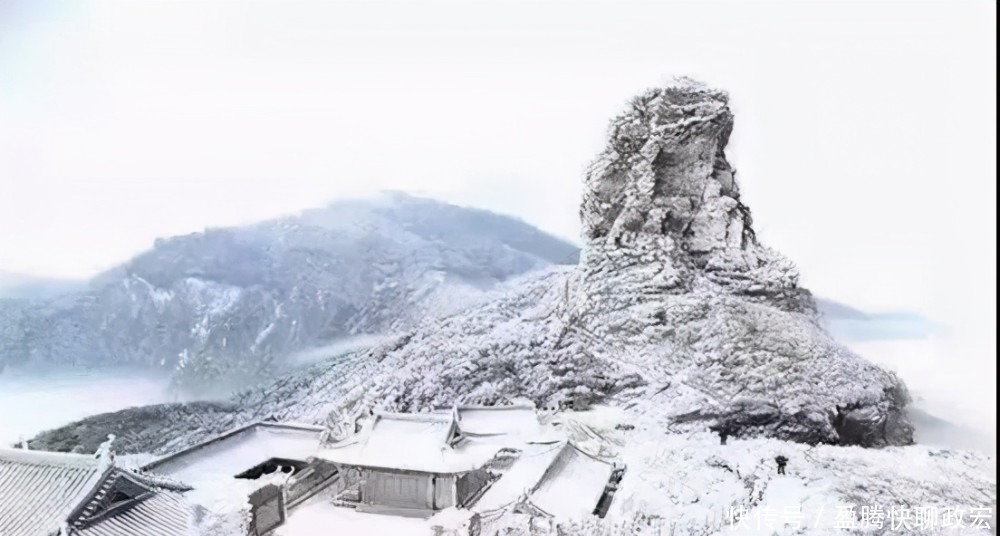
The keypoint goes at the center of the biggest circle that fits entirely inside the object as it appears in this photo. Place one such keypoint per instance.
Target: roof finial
(105, 454)
(339, 426)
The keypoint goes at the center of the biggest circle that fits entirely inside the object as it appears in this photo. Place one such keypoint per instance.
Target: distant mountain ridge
(248, 295)
(847, 323)
(17, 286)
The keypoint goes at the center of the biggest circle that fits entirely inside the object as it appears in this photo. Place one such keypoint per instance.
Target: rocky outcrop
(663, 199)
(664, 174)
(672, 268)
(674, 298)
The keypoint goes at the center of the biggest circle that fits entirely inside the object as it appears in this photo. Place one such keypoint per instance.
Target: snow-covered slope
(675, 324)
(249, 294)
(673, 301)
(691, 484)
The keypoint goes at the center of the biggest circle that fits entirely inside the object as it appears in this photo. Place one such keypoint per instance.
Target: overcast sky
(864, 139)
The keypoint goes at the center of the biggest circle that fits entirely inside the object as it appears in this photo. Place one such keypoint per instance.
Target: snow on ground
(950, 373)
(691, 484)
(228, 495)
(318, 516)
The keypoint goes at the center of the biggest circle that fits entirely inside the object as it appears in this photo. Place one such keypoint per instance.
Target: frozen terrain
(673, 299)
(690, 484)
(676, 324)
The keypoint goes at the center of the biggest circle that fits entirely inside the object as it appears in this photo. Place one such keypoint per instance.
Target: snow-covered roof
(557, 479)
(526, 472)
(162, 514)
(412, 442)
(238, 450)
(497, 420)
(572, 485)
(319, 516)
(39, 490)
(211, 467)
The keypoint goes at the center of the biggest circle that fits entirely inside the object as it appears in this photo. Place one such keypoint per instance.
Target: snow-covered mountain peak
(663, 194)
(674, 307)
(674, 303)
(664, 174)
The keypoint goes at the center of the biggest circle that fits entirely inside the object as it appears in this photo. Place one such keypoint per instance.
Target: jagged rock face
(662, 217)
(664, 176)
(672, 270)
(662, 201)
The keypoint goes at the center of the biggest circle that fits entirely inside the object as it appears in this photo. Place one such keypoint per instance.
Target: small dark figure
(781, 464)
(723, 435)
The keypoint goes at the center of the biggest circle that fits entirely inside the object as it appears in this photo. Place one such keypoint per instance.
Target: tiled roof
(411, 442)
(119, 480)
(526, 472)
(572, 486)
(498, 420)
(38, 490)
(553, 480)
(163, 514)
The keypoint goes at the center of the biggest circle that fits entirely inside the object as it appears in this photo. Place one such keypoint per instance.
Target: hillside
(674, 302)
(244, 298)
(675, 326)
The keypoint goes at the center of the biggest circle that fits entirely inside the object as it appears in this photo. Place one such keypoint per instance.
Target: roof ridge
(48, 458)
(414, 417)
(522, 405)
(251, 426)
(306, 427)
(153, 479)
